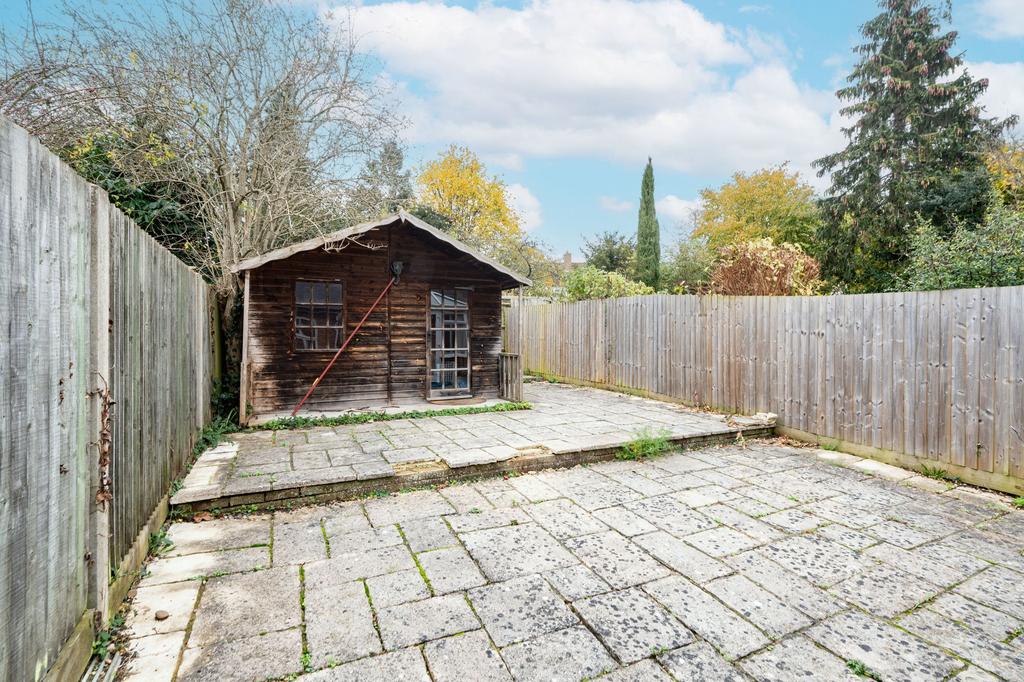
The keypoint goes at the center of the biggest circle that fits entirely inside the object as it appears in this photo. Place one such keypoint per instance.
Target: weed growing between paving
(104, 638)
(1018, 502)
(938, 473)
(369, 417)
(858, 668)
(159, 543)
(646, 444)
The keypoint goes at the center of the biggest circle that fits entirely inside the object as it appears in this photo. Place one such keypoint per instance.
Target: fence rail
(89, 304)
(937, 376)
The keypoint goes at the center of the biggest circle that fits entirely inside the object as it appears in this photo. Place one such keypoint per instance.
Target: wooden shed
(435, 335)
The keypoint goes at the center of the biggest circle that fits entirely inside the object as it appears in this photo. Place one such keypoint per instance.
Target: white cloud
(1005, 94)
(526, 205)
(607, 79)
(1000, 18)
(508, 160)
(615, 205)
(754, 9)
(676, 211)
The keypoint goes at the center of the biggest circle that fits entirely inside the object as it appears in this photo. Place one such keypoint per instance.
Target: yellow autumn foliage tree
(772, 203)
(456, 185)
(455, 192)
(1006, 167)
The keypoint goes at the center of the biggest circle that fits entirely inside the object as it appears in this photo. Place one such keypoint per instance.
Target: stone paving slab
(520, 609)
(632, 625)
(753, 562)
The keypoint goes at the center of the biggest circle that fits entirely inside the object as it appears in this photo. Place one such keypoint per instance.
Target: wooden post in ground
(243, 379)
(99, 401)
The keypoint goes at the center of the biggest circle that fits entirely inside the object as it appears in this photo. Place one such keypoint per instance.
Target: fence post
(98, 499)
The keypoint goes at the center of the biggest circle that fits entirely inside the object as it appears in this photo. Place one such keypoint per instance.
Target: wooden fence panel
(44, 374)
(937, 375)
(160, 374)
(59, 237)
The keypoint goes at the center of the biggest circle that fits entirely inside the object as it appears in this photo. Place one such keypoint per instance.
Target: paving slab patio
(617, 569)
(564, 420)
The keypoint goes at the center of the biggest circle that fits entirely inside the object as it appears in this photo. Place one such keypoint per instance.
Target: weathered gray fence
(89, 303)
(935, 376)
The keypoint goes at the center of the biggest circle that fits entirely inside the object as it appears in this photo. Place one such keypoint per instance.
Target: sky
(565, 100)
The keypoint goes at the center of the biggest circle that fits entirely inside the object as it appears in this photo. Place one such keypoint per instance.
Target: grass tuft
(1018, 502)
(646, 444)
(859, 668)
(938, 473)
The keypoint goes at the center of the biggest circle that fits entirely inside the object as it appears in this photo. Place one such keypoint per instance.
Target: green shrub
(588, 282)
(989, 255)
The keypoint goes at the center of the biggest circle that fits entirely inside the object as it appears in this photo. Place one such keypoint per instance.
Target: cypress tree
(648, 237)
(915, 146)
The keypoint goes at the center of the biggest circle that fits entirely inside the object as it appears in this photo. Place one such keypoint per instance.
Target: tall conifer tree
(648, 237)
(915, 145)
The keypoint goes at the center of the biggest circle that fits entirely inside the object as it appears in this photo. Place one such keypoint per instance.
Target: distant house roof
(510, 278)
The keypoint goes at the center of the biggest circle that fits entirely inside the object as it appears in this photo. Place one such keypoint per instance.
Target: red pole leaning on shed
(344, 345)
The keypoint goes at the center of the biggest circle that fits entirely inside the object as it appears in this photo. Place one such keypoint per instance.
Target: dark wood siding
(388, 358)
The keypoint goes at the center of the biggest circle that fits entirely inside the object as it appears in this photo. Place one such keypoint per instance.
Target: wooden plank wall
(387, 359)
(935, 375)
(49, 222)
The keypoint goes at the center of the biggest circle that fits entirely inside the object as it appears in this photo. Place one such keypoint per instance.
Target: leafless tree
(258, 113)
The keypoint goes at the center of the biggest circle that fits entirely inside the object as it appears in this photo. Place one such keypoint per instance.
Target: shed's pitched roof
(513, 278)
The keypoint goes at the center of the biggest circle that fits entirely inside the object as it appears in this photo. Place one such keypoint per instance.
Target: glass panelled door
(449, 343)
